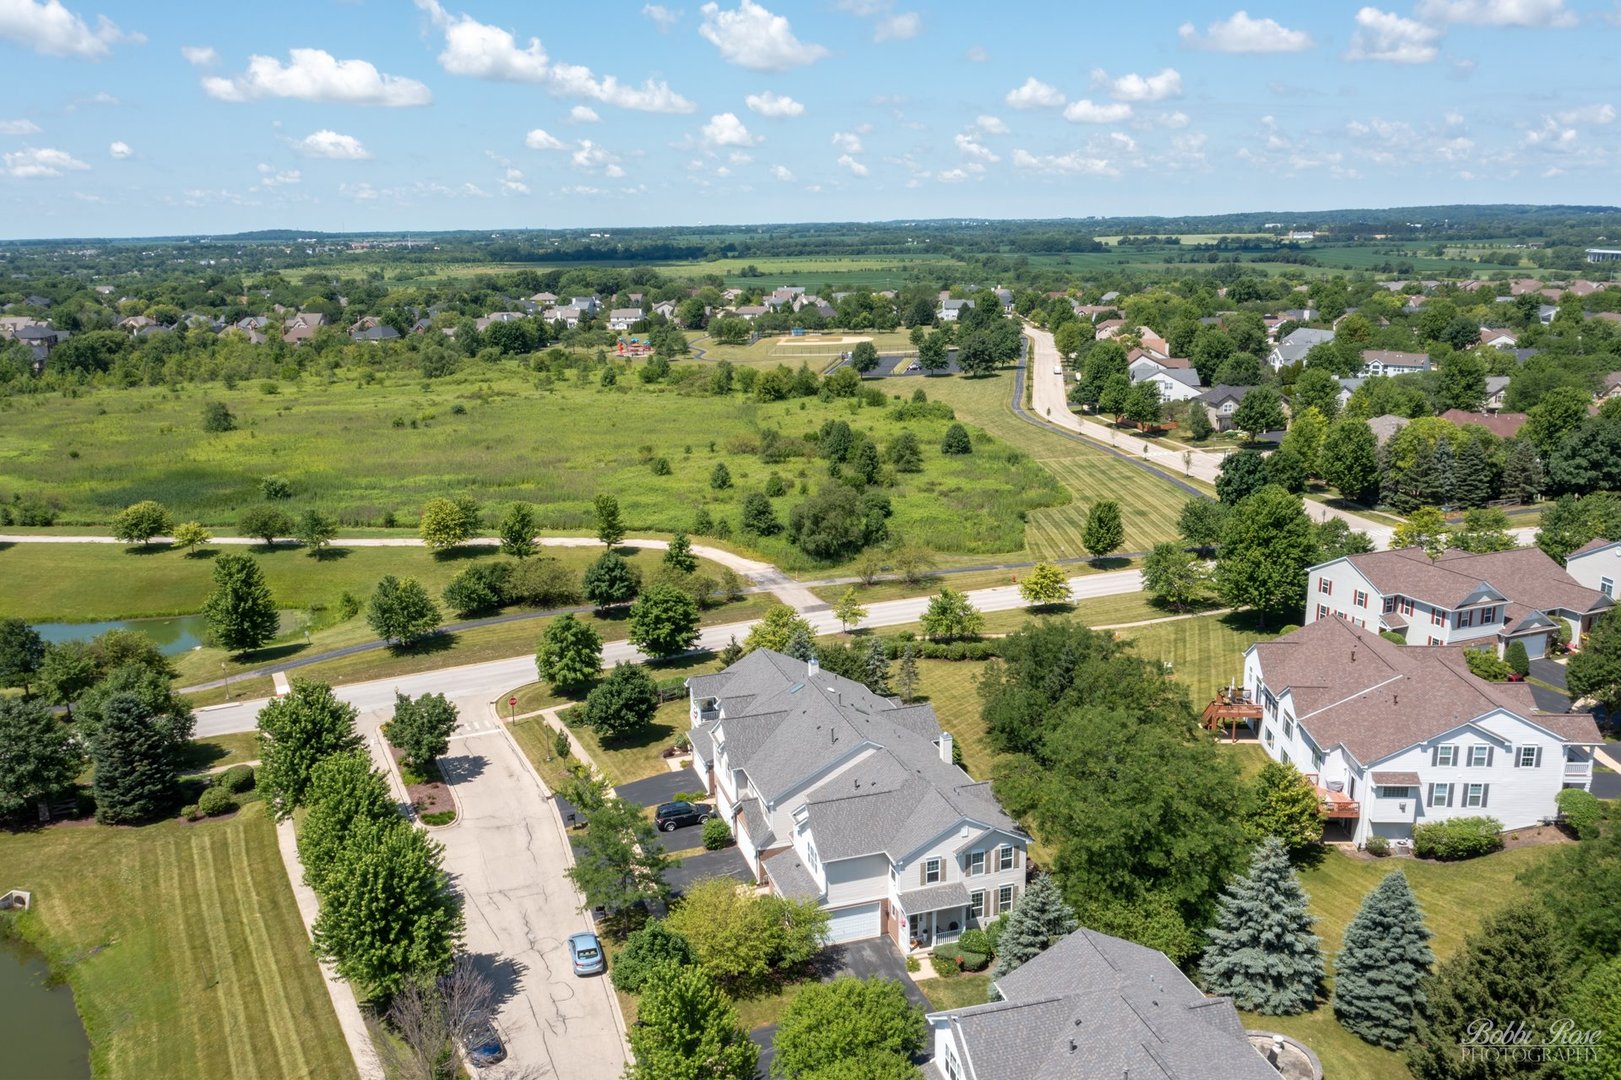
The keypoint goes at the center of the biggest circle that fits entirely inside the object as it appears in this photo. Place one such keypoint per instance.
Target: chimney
(945, 747)
(812, 667)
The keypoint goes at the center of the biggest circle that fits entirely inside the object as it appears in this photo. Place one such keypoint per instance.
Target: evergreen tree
(135, 773)
(1104, 531)
(687, 1030)
(800, 645)
(1446, 474)
(1512, 972)
(1038, 920)
(1416, 485)
(1522, 472)
(610, 580)
(1384, 961)
(1472, 476)
(956, 441)
(875, 667)
(240, 612)
(679, 556)
(906, 678)
(1262, 952)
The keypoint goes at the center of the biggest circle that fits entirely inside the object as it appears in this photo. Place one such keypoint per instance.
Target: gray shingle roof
(784, 726)
(951, 894)
(791, 878)
(1098, 1006)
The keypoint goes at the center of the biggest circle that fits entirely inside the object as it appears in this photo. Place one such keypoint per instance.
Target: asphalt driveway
(1549, 672)
(727, 862)
(661, 788)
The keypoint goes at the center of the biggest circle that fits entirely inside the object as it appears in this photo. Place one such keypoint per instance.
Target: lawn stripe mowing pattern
(183, 947)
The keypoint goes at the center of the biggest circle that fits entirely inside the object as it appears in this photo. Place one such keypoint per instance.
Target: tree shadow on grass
(437, 642)
(333, 553)
(271, 654)
(1065, 608)
(148, 549)
(1109, 562)
(464, 552)
(197, 756)
(642, 737)
(202, 554)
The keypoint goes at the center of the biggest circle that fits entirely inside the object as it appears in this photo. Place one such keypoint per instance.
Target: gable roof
(1526, 576)
(1354, 689)
(1595, 545)
(1505, 425)
(1221, 392)
(1393, 358)
(784, 724)
(1099, 1006)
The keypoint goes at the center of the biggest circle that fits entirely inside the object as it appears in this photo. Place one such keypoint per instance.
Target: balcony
(1334, 805)
(1230, 707)
(1578, 770)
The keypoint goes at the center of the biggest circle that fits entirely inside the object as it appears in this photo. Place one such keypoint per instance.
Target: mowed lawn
(1149, 506)
(183, 947)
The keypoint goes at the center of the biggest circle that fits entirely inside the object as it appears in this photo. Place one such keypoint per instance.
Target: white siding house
(1596, 566)
(851, 799)
(1395, 736)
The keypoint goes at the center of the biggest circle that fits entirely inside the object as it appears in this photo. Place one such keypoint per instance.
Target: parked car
(484, 1046)
(585, 949)
(671, 816)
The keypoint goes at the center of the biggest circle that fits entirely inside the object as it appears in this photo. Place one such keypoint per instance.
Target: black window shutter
(1485, 789)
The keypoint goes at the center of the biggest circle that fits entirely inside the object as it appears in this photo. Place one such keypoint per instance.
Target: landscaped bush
(1459, 838)
(975, 941)
(1581, 810)
(190, 812)
(944, 965)
(215, 801)
(935, 650)
(975, 961)
(1518, 660)
(646, 951)
(1485, 664)
(236, 778)
(716, 834)
(1377, 846)
(560, 744)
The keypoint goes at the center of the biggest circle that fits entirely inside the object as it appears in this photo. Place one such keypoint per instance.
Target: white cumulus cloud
(47, 27)
(725, 129)
(1088, 112)
(1384, 35)
(1588, 114)
(271, 177)
(200, 55)
(583, 114)
(593, 158)
(316, 75)
(1134, 87)
(1496, 12)
(852, 164)
(974, 148)
(33, 162)
(327, 143)
(540, 140)
(1035, 94)
(848, 141)
(120, 150)
(662, 17)
(1240, 33)
(782, 172)
(483, 51)
(754, 38)
(991, 125)
(774, 105)
(512, 183)
(899, 27)
(19, 127)
(1073, 163)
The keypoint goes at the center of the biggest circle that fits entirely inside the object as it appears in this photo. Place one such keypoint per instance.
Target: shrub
(654, 947)
(993, 932)
(275, 487)
(215, 801)
(1377, 846)
(479, 588)
(973, 961)
(236, 778)
(1391, 635)
(1485, 664)
(190, 812)
(1581, 811)
(975, 941)
(944, 965)
(716, 834)
(560, 744)
(1457, 838)
(913, 965)
(1517, 659)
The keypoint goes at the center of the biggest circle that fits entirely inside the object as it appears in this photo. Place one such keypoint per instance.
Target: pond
(39, 1028)
(179, 634)
(176, 635)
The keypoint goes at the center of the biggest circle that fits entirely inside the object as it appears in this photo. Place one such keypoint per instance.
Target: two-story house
(1394, 736)
(1485, 601)
(1596, 565)
(1391, 362)
(951, 310)
(1095, 1007)
(623, 319)
(851, 799)
(1221, 402)
(1294, 347)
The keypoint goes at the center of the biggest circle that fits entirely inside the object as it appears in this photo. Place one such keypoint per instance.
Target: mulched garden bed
(427, 792)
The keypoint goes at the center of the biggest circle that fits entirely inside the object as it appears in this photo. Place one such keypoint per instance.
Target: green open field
(817, 350)
(183, 947)
(1148, 505)
(359, 450)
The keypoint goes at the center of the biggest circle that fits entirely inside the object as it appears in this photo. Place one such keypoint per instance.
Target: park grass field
(361, 450)
(1149, 506)
(819, 350)
(183, 947)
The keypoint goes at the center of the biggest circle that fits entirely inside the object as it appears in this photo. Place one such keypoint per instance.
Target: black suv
(671, 816)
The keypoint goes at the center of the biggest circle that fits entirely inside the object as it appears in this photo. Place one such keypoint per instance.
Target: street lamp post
(225, 667)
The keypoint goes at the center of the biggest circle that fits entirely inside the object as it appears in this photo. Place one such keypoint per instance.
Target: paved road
(506, 855)
(484, 682)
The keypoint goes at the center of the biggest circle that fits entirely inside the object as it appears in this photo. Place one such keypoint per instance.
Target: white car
(1058, 370)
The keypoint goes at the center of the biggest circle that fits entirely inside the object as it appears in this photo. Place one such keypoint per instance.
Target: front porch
(935, 915)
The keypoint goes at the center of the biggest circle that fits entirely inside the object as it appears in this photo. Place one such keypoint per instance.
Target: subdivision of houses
(1095, 1007)
(1296, 344)
(1394, 736)
(1173, 376)
(838, 795)
(1221, 402)
(1484, 600)
(302, 326)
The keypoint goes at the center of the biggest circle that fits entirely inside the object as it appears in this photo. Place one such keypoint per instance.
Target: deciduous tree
(610, 581)
(447, 523)
(622, 703)
(240, 612)
(849, 1020)
(663, 621)
(1262, 951)
(190, 537)
(848, 610)
(140, 522)
(743, 940)
(1172, 575)
(570, 653)
(22, 651)
(1044, 585)
(1200, 522)
(619, 862)
(1266, 546)
(1260, 411)
(421, 727)
(1349, 460)
(1104, 532)
(316, 532)
(402, 611)
(40, 755)
(517, 531)
(1286, 806)
(950, 616)
(610, 527)
(266, 523)
(646, 950)
(687, 1030)
(1424, 528)
(1240, 476)
(295, 733)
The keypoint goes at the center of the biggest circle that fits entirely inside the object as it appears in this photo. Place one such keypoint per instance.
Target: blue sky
(122, 118)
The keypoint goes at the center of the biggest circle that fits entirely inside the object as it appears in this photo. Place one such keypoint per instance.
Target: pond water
(176, 635)
(39, 1029)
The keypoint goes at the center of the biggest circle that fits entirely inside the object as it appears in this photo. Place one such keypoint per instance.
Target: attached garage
(853, 923)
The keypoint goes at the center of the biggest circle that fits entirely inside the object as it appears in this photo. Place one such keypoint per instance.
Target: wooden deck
(1334, 805)
(1230, 707)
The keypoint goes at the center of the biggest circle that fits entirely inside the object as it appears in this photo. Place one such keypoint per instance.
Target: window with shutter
(1004, 897)
(931, 871)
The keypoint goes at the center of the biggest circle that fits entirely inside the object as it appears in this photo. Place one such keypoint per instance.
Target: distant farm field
(363, 450)
(817, 350)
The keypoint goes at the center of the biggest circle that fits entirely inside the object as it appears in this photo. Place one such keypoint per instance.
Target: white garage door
(852, 923)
